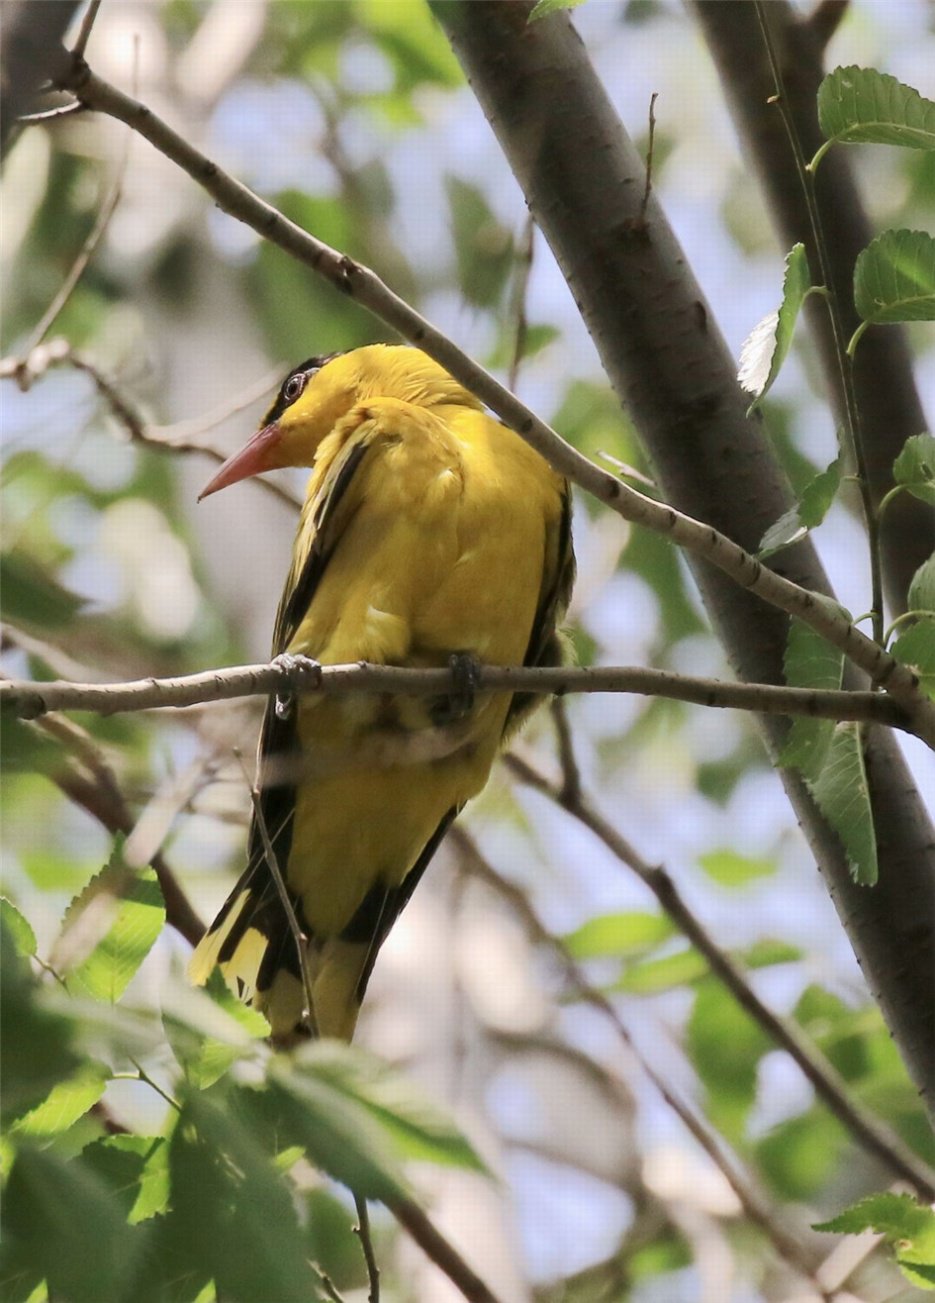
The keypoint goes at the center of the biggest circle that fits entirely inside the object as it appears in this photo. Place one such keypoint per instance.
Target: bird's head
(316, 394)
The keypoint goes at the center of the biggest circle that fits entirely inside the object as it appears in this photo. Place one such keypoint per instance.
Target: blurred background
(352, 117)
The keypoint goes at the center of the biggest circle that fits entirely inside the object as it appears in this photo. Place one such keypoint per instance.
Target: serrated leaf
(916, 648)
(731, 869)
(766, 347)
(809, 511)
(109, 929)
(232, 1213)
(19, 928)
(788, 529)
(922, 587)
(907, 1225)
(65, 1104)
(842, 794)
(37, 1051)
(146, 1171)
(618, 934)
(419, 1129)
(809, 662)
(894, 278)
(862, 105)
(915, 467)
(542, 8)
(58, 1216)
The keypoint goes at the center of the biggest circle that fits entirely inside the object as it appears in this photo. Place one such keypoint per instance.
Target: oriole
(429, 530)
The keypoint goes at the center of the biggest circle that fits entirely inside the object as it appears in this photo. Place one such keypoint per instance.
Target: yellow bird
(431, 535)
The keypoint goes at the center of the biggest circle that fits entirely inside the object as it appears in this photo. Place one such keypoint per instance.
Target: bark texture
(667, 360)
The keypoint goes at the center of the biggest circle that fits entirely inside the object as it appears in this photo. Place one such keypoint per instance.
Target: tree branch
(584, 180)
(30, 699)
(870, 1131)
(440, 1251)
(754, 1203)
(366, 288)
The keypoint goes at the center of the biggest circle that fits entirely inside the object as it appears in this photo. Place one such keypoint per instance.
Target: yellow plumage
(428, 530)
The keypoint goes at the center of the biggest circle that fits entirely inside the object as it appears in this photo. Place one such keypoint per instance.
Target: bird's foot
(459, 702)
(285, 701)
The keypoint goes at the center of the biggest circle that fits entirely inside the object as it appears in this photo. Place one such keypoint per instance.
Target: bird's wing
(558, 576)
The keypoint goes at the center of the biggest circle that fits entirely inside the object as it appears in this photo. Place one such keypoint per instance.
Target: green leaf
(22, 936)
(809, 511)
(209, 1058)
(842, 794)
(767, 952)
(767, 346)
(894, 278)
(358, 1121)
(725, 1045)
(484, 246)
(862, 105)
(61, 1220)
(800, 1156)
(37, 1051)
(678, 969)
(906, 1224)
(137, 1167)
(922, 587)
(916, 648)
(233, 1214)
(418, 1129)
(66, 1103)
(731, 869)
(122, 911)
(809, 662)
(618, 934)
(33, 597)
(542, 8)
(915, 467)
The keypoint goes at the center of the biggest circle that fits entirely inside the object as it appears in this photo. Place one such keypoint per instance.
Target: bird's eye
(293, 387)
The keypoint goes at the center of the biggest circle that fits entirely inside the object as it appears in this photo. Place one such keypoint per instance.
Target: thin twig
(362, 1231)
(181, 439)
(571, 777)
(84, 32)
(853, 436)
(647, 189)
(869, 1130)
(445, 1256)
(527, 247)
(88, 249)
(301, 941)
(361, 284)
(753, 1202)
(30, 699)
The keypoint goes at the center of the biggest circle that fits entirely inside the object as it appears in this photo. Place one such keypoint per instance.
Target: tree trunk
(667, 360)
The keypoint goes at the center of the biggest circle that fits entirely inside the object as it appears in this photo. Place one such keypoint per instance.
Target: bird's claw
(285, 701)
(459, 702)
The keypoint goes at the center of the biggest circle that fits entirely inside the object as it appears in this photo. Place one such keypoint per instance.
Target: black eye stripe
(294, 384)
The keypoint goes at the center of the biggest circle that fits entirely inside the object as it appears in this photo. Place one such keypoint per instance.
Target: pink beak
(253, 458)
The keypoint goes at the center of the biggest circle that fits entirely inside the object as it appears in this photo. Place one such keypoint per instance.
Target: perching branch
(366, 288)
(29, 699)
(867, 1129)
